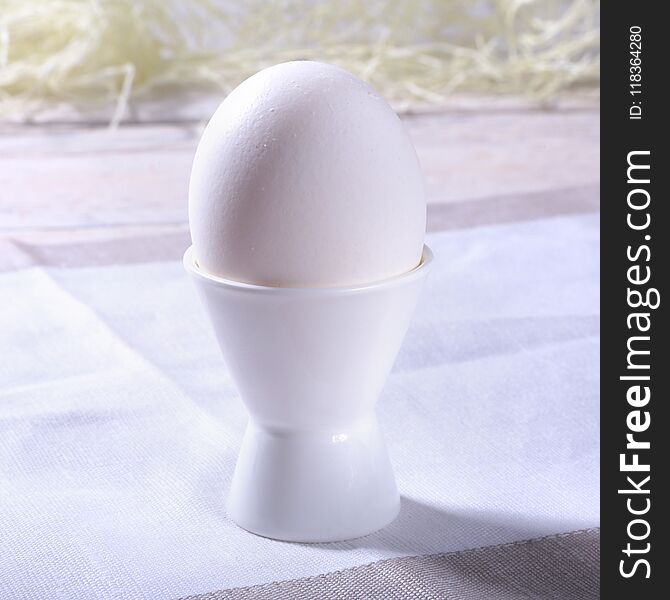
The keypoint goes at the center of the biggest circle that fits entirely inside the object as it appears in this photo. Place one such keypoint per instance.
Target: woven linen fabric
(119, 424)
(565, 567)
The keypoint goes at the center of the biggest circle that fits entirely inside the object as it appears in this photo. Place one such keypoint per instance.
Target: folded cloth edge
(533, 568)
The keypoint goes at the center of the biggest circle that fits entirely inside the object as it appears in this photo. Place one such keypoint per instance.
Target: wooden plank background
(76, 193)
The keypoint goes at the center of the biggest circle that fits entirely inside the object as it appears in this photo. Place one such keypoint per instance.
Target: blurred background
(102, 104)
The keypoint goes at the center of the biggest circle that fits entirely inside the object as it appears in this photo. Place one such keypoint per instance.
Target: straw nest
(112, 53)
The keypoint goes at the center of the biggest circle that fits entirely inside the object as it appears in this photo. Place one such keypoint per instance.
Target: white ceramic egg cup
(310, 364)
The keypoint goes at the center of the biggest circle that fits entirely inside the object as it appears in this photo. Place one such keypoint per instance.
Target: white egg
(305, 177)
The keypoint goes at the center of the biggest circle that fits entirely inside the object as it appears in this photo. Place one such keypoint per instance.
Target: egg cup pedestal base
(321, 486)
(310, 364)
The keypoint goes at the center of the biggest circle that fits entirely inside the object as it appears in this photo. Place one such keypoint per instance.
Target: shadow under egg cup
(310, 364)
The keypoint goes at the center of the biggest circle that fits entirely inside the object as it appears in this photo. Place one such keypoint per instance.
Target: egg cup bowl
(310, 364)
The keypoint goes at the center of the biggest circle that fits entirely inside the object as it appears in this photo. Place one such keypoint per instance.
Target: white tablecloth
(119, 424)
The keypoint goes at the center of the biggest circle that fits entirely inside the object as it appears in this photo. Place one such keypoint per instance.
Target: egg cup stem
(313, 486)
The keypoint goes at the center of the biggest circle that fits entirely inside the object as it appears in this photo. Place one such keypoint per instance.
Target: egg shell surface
(305, 177)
